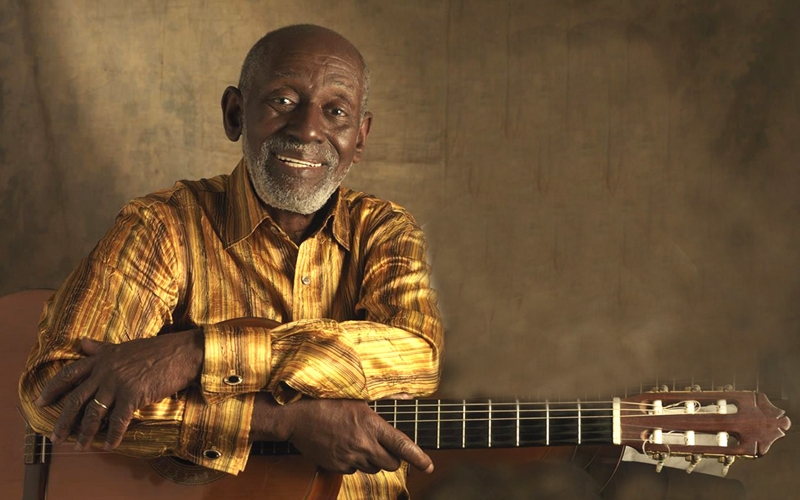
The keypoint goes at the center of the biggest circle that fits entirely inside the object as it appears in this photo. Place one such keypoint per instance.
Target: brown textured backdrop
(610, 187)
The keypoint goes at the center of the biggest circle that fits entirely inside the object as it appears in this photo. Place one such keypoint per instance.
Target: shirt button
(233, 379)
(212, 454)
(305, 280)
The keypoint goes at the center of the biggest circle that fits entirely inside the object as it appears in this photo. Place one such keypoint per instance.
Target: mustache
(324, 152)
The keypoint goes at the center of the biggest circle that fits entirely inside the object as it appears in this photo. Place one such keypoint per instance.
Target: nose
(306, 124)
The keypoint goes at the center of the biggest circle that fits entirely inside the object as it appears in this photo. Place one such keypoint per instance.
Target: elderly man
(138, 336)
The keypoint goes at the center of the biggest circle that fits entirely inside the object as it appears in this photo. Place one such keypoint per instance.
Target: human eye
(282, 101)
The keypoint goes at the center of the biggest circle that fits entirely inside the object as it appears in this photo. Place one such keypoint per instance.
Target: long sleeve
(123, 290)
(128, 288)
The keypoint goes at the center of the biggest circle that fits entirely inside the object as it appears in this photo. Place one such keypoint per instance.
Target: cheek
(345, 144)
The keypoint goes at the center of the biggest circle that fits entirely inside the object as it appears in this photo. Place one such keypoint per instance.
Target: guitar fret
(438, 421)
(395, 413)
(517, 422)
(464, 423)
(579, 421)
(490, 424)
(416, 419)
(547, 423)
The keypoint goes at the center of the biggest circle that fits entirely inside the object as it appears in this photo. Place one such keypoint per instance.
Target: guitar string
(389, 403)
(632, 433)
(481, 432)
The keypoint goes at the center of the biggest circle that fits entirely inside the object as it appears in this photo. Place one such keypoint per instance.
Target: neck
(300, 226)
(443, 424)
(484, 423)
(297, 226)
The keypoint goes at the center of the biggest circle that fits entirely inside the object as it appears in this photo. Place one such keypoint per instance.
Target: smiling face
(302, 125)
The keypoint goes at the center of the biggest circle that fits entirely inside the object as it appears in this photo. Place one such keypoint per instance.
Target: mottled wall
(609, 186)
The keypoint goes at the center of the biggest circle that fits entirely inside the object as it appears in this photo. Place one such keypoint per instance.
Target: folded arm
(128, 289)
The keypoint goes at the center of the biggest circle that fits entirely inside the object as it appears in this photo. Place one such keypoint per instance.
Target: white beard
(283, 191)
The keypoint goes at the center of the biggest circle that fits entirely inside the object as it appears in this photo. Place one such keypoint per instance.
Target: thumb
(91, 346)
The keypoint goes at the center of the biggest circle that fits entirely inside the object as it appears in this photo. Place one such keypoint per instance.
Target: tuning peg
(659, 458)
(694, 459)
(726, 462)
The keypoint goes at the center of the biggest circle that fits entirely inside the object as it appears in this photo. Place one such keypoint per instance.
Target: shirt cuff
(317, 359)
(237, 361)
(217, 436)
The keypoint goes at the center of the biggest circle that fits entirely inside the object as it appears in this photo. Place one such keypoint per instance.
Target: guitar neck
(465, 424)
(485, 423)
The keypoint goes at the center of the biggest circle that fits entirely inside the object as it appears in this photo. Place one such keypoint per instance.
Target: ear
(232, 113)
(363, 132)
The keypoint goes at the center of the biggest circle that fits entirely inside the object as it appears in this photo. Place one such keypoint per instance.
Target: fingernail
(106, 446)
(429, 470)
(54, 438)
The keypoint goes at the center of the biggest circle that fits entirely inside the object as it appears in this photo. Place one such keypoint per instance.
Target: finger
(66, 379)
(383, 460)
(399, 445)
(91, 346)
(73, 403)
(118, 422)
(93, 416)
(368, 467)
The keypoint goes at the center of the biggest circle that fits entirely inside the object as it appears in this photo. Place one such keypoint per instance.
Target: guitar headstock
(695, 424)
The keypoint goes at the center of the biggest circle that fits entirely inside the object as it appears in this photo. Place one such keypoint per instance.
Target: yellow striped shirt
(358, 316)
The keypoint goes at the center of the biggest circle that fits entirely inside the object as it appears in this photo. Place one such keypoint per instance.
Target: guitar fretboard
(465, 424)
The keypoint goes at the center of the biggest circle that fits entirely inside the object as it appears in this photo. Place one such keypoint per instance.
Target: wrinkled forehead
(326, 55)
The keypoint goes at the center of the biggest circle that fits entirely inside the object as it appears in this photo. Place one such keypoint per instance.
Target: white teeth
(297, 163)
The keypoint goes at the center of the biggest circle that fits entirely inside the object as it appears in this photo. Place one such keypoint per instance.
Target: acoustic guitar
(716, 425)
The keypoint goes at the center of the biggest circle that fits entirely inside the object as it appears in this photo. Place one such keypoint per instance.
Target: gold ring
(98, 403)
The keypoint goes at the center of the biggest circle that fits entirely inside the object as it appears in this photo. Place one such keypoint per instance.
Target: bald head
(306, 36)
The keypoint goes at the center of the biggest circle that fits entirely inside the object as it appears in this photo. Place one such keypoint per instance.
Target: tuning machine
(660, 458)
(693, 460)
(726, 462)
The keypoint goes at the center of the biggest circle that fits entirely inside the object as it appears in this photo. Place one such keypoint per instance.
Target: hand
(340, 435)
(115, 380)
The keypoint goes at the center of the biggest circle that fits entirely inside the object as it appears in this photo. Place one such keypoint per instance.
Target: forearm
(353, 360)
(269, 421)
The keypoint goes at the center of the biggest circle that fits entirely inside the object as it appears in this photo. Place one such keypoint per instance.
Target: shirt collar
(245, 211)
